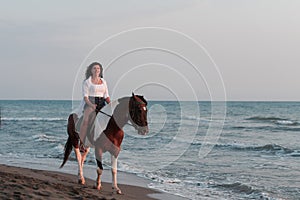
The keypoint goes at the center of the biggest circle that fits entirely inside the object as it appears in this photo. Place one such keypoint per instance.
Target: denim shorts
(99, 101)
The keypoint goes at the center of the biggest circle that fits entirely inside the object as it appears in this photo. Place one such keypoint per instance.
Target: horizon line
(230, 100)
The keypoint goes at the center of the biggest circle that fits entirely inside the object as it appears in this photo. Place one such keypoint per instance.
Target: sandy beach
(23, 183)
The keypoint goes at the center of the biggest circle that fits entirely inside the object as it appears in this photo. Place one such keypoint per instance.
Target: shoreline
(24, 183)
(44, 180)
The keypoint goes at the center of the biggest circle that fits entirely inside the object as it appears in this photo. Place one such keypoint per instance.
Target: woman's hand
(89, 103)
(94, 106)
(107, 100)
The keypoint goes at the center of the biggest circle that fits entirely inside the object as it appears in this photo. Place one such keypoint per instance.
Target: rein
(104, 113)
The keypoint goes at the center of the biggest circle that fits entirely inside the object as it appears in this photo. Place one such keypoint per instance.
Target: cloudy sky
(171, 49)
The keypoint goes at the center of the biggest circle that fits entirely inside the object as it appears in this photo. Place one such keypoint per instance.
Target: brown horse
(133, 109)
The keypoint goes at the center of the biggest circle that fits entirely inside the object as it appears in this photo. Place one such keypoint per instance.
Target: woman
(95, 94)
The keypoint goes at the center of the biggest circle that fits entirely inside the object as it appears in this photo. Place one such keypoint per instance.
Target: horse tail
(68, 150)
(72, 139)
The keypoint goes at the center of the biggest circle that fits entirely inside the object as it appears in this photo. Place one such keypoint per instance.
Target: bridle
(132, 112)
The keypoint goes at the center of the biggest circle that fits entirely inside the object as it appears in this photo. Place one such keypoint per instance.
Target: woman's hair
(88, 71)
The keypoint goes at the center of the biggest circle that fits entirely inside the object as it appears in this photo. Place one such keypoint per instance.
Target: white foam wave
(32, 119)
(44, 137)
(285, 122)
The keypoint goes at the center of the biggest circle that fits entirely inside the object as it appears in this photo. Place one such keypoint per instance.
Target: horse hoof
(117, 190)
(81, 181)
(98, 187)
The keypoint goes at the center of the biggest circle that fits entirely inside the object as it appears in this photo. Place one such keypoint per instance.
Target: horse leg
(81, 179)
(98, 155)
(115, 187)
(83, 156)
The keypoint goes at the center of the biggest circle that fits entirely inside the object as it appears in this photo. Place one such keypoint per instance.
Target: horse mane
(142, 98)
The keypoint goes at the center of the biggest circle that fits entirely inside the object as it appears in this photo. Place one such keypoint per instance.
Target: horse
(131, 109)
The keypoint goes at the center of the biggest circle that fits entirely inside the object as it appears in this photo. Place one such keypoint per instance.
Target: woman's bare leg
(85, 123)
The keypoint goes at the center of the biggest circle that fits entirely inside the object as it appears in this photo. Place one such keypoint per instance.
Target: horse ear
(132, 94)
(143, 99)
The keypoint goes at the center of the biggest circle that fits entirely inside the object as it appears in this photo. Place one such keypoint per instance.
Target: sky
(166, 50)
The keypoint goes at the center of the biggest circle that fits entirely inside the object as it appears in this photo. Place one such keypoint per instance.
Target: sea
(196, 150)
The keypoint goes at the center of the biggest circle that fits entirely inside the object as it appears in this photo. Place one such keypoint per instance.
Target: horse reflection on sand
(133, 109)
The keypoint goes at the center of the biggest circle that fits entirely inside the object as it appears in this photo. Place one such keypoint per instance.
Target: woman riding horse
(133, 109)
(95, 94)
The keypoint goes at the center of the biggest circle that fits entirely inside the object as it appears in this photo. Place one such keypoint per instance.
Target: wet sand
(23, 183)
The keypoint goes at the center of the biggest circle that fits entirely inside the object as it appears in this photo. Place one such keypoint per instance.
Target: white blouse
(94, 90)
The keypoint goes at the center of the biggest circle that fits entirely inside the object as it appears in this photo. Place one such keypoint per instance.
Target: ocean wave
(284, 127)
(203, 119)
(275, 120)
(156, 176)
(258, 118)
(268, 148)
(286, 122)
(273, 148)
(249, 191)
(238, 188)
(45, 138)
(32, 119)
(239, 127)
(161, 179)
(295, 154)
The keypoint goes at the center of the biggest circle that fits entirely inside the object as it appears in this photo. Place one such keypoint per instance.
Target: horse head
(138, 113)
